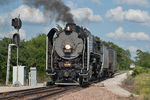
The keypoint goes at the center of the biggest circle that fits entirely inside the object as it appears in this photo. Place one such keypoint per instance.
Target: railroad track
(102, 79)
(54, 93)
(34, 93)
(39, 93)
(13, 95)
(67, 88)
(121, 72)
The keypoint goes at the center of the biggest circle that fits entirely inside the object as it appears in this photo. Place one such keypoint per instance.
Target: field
(143, 83)
(139, 84)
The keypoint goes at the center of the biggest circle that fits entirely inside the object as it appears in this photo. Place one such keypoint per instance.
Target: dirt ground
(113, 85)
(110, 91)
(92, 93)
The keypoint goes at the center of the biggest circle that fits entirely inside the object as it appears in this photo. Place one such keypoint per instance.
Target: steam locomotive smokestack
(53, 7)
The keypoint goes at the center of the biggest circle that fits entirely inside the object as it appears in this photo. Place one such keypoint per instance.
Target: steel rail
(48, 95)
(26, 92)
(53, 93)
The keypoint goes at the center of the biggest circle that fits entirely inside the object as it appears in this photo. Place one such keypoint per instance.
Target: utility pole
(8, 62)
(19, 40)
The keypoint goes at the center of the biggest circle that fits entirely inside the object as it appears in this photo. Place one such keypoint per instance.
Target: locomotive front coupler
(83, 78)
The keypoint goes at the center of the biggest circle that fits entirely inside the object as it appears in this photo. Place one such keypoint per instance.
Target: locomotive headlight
(68, 28)
(67, 47)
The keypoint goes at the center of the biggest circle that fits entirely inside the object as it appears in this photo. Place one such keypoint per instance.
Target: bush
(138, 70)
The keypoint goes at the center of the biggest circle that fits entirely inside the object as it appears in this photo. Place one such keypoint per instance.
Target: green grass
(139, 70)
(143, 82)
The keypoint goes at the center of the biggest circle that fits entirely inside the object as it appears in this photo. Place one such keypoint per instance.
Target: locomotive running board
(67, 83)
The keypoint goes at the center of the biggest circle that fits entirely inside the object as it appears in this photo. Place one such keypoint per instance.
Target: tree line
(142, 58)
(32, 53)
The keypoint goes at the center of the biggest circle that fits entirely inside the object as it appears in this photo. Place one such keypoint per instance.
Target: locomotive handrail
(83, 54)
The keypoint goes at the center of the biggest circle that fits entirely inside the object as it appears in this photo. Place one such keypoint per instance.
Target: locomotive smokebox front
(68, 45)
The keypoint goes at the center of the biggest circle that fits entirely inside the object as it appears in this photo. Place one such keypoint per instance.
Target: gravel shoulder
(113, 85)
(92, 93)
(110, 91)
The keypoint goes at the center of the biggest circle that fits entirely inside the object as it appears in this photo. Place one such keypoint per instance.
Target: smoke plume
(55, 8)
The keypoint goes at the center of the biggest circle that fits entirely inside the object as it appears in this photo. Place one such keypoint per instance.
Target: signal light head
(16, 23)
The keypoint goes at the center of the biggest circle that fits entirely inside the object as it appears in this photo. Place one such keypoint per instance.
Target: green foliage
(143, 58)
(32, 53)
(139, 70)
(142, 81)
(142, 75)
(98, 38)
(3, 58)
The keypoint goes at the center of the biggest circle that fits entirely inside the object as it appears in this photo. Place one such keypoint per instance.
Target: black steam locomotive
(75, 57)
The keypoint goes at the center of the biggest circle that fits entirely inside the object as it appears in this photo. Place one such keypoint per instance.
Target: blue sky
(124, 22)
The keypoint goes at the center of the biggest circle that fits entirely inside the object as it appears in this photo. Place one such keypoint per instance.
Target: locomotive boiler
(75, 57)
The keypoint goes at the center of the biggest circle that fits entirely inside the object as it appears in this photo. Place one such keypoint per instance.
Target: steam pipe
(83, 54)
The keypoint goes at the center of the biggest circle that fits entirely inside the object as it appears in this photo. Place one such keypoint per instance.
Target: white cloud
(120, 34)
(21, 32)
(98, 2)
(132, 48)
(131, 15)
(81, 15)
(10, 34)
(115, 14)
(85, 15)
(137, 16)
(28, 14)
(140, 3)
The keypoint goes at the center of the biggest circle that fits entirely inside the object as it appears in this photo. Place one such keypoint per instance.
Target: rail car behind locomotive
(74, 56)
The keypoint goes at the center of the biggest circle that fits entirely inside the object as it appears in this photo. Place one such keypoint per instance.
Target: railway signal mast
(16, 23)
